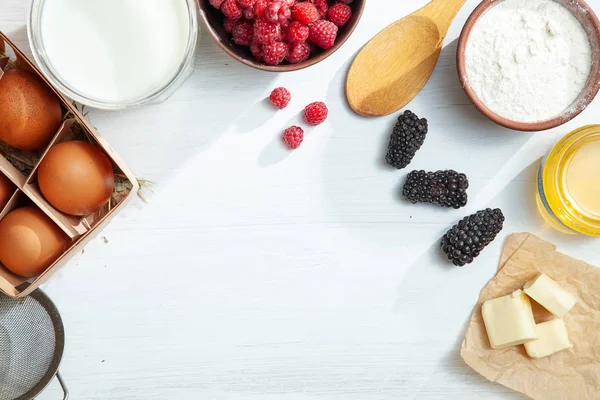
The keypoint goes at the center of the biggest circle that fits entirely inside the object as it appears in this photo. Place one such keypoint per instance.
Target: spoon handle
(442, 13)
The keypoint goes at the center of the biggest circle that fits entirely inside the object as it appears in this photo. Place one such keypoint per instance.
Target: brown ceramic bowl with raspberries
(280, 35)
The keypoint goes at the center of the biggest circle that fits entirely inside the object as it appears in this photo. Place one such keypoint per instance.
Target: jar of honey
(568, 194)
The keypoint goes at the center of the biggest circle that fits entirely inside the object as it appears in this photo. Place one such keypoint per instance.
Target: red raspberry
(293, 137)
(216, 3)
(285, 13)
(284, 25)
(259, 7)
(299, 52)
(296, 32)
(246, 3)
(305, 13)
(243, 33)
(248, 13)
(274, 53)
(229, 24)
(256, 50)
(231, 9)
(272, 12)
(266, 32)
(290, 3)
(315, 113)
(281, 36)
(323, 33)
(321, 6)
(339, 14)
(280, 97)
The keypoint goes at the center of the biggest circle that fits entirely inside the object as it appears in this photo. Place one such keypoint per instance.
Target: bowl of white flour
(530, 65)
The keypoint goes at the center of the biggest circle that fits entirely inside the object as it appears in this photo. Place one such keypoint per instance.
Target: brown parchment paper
(570, 374)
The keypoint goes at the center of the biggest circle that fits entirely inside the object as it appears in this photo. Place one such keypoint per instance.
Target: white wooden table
(262, 274)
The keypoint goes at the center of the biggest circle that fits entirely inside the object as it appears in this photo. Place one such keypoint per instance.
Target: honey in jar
(569, 183)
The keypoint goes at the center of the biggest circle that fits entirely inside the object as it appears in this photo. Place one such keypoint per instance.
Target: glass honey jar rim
(555, 190)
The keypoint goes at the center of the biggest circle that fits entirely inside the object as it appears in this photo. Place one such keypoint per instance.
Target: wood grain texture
(260, 274)
(396, 64)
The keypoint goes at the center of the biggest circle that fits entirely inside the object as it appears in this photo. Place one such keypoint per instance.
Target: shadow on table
(158, 140)
(452, 365)
(219, 97)
(354, 166)
(440, 288)
(277, 151)
(255, 116)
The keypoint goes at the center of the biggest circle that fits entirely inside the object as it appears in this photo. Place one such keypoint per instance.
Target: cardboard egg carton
(21, 168)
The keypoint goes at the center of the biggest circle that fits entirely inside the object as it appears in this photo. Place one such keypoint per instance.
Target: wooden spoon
(395, 65)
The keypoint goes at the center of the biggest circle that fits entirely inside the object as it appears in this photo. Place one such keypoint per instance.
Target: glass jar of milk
(114, 54)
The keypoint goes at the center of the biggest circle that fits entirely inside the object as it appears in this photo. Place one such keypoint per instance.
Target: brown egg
(7, 189)
(30, 242)
(76, 177)
(30, 112)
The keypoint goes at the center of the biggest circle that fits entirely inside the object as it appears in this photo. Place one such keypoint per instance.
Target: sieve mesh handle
(62, 385)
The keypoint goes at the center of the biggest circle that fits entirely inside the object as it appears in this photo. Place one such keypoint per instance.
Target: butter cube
(552, 338)
(550, 295)
(509, 320)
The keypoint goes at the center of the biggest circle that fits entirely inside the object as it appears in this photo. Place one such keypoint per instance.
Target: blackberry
(444, 188)
(408, 137)
(463, 243)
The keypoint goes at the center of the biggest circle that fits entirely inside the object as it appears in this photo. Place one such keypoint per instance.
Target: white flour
(528, 60)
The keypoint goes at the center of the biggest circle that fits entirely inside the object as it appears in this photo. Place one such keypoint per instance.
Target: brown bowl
(590, 22)
(213, 21)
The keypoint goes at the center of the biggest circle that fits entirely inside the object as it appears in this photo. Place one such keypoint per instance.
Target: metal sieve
(32, 340)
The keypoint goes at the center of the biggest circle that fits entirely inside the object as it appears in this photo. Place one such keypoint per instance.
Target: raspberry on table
(315, 113)
(243, 33)
(297, 32)
(229, 24)
(266, 32)
(298, 53)
(280, 97)
(293, 137)
(274, 53)
(216, 3)
(305, 13)
(323, 33)
(231, 9)
(339, 14)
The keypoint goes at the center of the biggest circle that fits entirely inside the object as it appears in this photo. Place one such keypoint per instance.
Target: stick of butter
(550, 295)
(509, 320)
(552, 338)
